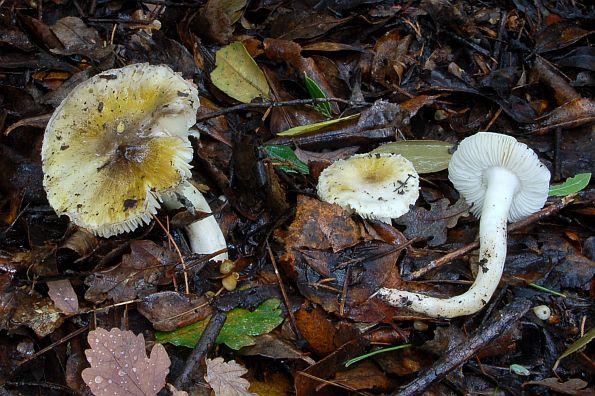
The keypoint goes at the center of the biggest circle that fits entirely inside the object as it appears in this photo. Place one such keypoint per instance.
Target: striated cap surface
(378, 186)
(116, 143)
(485, 150)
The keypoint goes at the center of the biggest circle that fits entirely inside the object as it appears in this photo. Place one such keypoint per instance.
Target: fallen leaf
(238, 75)
(570, 186)
(320, 225)
(574, 386)
(299, 130)
(120, 366)
(137, 274)
(433, 223)
(225, 378)
(570, 115)
(171, 310)
(239, 328)
(63, 296)
(427, 156)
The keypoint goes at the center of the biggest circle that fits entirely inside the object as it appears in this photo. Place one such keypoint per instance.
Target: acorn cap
(486, 150)
(377, 186)
(116, 143)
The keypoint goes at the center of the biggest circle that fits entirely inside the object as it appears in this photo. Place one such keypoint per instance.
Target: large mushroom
(118, 145)
(503, 180)
(378, 186)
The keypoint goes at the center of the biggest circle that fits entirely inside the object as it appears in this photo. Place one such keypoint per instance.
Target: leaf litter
(411, 78)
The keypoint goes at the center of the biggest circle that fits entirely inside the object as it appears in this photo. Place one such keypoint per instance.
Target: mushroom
(503, 180)
(377, 186)
(118, 145)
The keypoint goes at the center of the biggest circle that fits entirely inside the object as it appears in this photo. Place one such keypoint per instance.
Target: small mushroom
(378, 186)
(503, 180)
(118, 145)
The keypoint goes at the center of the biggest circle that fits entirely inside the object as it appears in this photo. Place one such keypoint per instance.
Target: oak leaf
(225, 378)
(120, 366)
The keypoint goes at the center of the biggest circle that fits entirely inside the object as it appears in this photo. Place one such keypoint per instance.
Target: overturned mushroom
(378, 186)
(503, 180)
(118, 145)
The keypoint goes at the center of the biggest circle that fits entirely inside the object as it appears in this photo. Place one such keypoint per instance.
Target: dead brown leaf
(137, 275)
(120, 366)
(63, 296)
(320, 225)
(433, 223)
(171, 310)
(225, 378)
(573, 386)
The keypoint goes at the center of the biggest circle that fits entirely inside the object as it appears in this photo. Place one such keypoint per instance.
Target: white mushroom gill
(504, 180)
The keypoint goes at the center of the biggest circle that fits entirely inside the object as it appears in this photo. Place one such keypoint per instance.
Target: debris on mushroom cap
(116, 143)
(486, 150)
(375, 185)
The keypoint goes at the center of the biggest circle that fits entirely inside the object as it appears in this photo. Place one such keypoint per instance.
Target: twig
(266, 105)
(284, 294)
(204, 345)
(464, 351)
(171, 240)
(44, 385)
(54, 344)
(547, 211)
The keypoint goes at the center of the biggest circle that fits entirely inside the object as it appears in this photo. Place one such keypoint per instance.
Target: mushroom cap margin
(378, 186)
(477, 153)
(116, 143)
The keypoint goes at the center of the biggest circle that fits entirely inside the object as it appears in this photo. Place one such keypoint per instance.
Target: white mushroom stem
(501, 186)
(204, 235)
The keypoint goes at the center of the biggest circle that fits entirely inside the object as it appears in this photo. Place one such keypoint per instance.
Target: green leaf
(237, 332)
(238, 75)
(427, 156)
(286, 160)
(519, 370)
(570, 186)
(367, 355)
(317, 93)
(233, 9)
(578, 344)
(299, 130)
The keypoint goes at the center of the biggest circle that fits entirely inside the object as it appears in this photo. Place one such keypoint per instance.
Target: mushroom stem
(501, 186)
(204, 235)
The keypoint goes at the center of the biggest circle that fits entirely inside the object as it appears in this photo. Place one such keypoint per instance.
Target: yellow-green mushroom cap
(116, 143)
(378, 186)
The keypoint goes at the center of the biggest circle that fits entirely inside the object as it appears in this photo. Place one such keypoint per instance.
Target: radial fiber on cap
(116, 143)
(375, 185)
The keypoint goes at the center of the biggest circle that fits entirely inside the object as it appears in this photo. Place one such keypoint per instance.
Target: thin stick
(204, 345)
(54, 344)
(283, 293)
(264, 105)
(547, 211)
(458, 355)
(171, 239)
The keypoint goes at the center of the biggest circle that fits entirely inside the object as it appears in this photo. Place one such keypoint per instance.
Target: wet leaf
(570, 115)
(577, 345)
(63, 296)
(171, 310)
(299, 130)
(285, 159)
(120, 366)
(78, 38)
(433, 223)
(137, 275)
(317, 93)
(320, 225)
(241, 325)
(427, 156)
(238, 75)
(574, 386)
(570, 186)
(225, 378)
